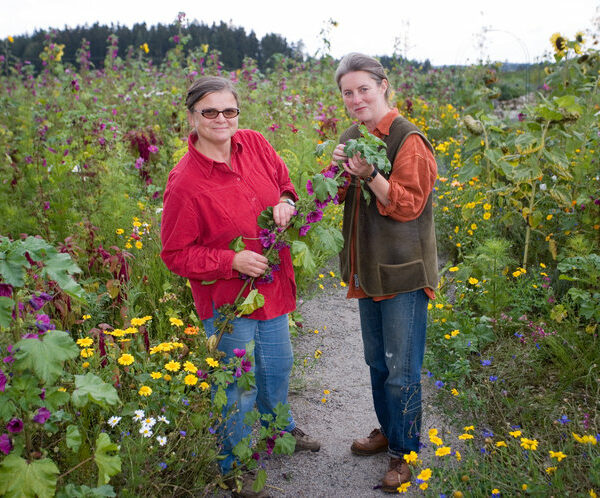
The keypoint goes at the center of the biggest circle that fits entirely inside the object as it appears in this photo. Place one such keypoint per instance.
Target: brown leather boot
(374, 443)
(398, 473)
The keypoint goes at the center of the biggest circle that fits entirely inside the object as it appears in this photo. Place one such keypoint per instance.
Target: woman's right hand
(339, 154)
(250, 263)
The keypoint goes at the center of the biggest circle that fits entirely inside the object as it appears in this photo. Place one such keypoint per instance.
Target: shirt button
(239, 179)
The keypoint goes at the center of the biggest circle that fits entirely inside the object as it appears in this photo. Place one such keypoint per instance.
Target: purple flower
(521, 116)
(153, 149)
(3, 381)
(138, 162)
(240, 353)
(5, 290)
(246, 365)
(5, 444)
(493, 378)
(42, 322)
(41, 416)
(238, 372)
(37, 301)
(314, 216)
(563, 420)
(309, 187)
(267, 238)
(486, 363)
(439, 384)
(14, 425)
(303, 230)
(176, 38)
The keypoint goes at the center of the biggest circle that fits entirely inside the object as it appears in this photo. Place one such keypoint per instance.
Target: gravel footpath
(346, 414)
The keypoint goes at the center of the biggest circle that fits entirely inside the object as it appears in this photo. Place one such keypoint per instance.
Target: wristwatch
(289, 201)
(370, 178)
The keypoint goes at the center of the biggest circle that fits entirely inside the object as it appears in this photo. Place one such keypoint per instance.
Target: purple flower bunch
(246, 364)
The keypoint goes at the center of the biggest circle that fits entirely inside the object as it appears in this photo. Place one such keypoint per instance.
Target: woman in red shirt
(215, 193)
(389, 259)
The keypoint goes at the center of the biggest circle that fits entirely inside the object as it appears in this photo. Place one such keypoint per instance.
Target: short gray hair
(355, 61)
(208, 84)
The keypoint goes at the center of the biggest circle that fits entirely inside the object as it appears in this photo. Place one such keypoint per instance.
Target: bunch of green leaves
(370, 148)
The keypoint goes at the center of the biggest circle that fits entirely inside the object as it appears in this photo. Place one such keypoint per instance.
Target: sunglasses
(229, 113)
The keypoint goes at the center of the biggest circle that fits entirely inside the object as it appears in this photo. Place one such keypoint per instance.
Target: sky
(443, 31)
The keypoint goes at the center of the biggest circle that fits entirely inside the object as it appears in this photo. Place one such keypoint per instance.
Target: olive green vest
(391, 256)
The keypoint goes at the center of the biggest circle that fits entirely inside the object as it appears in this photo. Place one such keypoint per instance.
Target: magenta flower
(41, 416)
(309, 187)
(3, 381)
(238, 372)
(314, 216)
(267, 238)
(6, 290)
(303, 230)
(15, 425)
(5, 444)
(240, 353)
(246, 365)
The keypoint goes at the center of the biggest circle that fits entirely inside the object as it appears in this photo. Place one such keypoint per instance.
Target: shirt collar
(383, 127)
(208, 163)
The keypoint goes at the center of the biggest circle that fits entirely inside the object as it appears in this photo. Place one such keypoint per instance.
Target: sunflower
(559, 43)
(579, 37)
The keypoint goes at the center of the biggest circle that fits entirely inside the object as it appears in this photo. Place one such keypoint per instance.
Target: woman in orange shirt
(389, 259)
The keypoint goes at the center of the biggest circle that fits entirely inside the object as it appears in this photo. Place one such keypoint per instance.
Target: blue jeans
(273, 363)
(393, 332)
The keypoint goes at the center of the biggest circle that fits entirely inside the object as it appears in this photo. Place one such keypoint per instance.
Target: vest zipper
(356, 280)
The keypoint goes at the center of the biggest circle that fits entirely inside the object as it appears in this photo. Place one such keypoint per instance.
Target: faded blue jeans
(273, 363)
(393, 332)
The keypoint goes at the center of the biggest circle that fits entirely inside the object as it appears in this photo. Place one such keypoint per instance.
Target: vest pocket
(402, 278)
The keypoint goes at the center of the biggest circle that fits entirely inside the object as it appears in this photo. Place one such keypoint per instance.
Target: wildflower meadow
(108, 385)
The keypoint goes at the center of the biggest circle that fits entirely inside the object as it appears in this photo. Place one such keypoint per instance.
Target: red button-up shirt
(207, 205)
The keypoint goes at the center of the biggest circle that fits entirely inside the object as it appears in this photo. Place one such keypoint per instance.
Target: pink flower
(240, 353)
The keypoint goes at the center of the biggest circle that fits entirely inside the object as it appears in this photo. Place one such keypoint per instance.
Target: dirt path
(348, 412)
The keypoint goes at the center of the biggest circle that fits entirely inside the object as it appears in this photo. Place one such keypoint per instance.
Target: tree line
(232, 42)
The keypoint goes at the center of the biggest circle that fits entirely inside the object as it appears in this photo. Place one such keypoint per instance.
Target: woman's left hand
(358, 166)
(282, 213)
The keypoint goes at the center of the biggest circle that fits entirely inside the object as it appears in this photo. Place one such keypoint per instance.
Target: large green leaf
(106, 458)
(6, 309)
(12, 262)
(60, 268)
(83, 491)
(45, 356)
(330, 239)
(73, 438)
(90, 387)
(302, 257)
(324, 187)
(21, 479)
(253, 301)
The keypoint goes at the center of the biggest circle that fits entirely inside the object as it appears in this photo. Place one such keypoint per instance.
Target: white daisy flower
(112, 421)
(162, 440)
(139, 415)
(149, 422)
(146, 431)
(162, 418)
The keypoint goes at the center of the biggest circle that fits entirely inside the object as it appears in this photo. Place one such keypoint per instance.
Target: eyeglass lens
(230, 112)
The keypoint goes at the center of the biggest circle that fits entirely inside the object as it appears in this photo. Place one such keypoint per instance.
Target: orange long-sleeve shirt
(413, 175)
